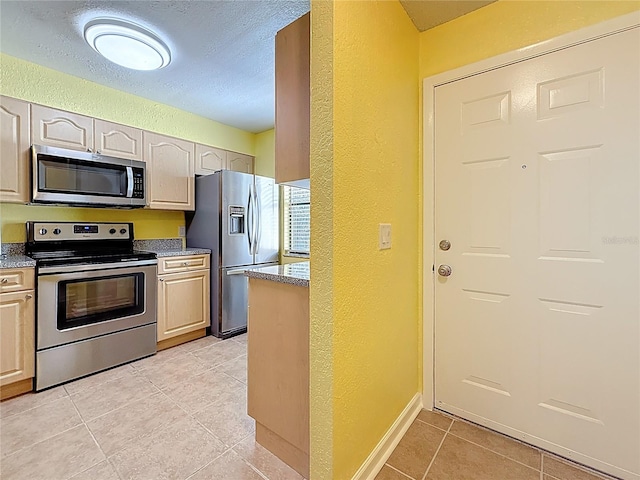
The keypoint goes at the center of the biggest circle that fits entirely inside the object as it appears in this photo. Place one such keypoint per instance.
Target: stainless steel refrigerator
(236, 217)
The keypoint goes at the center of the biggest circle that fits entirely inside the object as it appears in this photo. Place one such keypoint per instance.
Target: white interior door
(537, 190)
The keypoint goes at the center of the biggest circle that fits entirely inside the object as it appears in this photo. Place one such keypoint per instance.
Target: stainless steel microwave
(84, 178)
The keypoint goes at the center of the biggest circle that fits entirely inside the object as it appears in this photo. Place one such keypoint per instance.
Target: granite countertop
(176, 252)
(16, 261)
(170, 247)
(292, 273)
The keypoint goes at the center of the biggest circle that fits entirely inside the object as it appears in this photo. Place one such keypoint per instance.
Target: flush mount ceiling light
(127, 44)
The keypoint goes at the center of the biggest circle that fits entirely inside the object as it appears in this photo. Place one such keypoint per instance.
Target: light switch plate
(181, 231)
(385, 236)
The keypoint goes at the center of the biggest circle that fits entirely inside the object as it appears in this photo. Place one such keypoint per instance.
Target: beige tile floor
(439, 447)
(180, 414)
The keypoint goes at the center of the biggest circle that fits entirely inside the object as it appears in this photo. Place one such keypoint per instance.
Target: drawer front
(14, 280)
(182, 264)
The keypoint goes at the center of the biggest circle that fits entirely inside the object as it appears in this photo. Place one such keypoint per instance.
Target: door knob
(444, 270)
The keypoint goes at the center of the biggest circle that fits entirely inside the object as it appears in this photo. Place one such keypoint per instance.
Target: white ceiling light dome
(127, 44)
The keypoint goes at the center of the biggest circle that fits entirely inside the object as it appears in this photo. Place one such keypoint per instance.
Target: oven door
(103, 298)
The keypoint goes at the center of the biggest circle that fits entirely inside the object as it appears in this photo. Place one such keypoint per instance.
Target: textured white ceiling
(222, 63)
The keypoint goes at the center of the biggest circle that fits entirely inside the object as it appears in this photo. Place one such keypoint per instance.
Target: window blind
(297, 220)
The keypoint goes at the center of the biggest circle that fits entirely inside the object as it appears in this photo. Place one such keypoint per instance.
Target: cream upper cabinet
(117, 140)
(14, 150)
(56, 128)
(292, 103)
(170, 172)
(210, 159)
(239, 162)
(17, 324)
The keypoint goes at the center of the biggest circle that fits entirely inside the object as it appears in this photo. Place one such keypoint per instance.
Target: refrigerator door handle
(239, 271)
(250, 215)
(256, 229)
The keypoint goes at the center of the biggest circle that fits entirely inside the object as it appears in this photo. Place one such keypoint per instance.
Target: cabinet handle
(4, 280)
(28, 296)
(89, 150)
(186, 264)
(98, 152)
(161, 279)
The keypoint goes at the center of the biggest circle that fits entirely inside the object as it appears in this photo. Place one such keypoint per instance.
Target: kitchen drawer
(14, 280)
(182, 264)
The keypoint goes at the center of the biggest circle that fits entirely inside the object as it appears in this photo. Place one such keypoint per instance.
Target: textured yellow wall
(147, 223)
(37, 84)
(322, 242)
(508, 25)
(265, 153)
(370, 171)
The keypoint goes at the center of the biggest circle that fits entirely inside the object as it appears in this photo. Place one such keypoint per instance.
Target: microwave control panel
(138, 183)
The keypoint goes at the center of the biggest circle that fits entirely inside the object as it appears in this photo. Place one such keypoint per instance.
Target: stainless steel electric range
(96, 299)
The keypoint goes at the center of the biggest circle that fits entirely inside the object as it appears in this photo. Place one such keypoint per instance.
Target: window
(297, 220)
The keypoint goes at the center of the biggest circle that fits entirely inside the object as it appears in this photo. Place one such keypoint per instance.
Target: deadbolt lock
(445, 245)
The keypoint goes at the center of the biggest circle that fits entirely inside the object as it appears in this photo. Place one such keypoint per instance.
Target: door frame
(583, 35)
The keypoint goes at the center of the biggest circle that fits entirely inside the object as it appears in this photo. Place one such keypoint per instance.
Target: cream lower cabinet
(183, 299)
(14, 150)
(17, 331)
(170, 172)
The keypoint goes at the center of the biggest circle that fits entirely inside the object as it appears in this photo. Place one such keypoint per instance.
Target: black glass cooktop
(87, 257)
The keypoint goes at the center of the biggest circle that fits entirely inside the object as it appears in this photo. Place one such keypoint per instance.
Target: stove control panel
(58, 231)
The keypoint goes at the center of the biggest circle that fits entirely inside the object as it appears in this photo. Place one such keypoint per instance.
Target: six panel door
(537, 183)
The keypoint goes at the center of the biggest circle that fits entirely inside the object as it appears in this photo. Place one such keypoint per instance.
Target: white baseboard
(377, 458)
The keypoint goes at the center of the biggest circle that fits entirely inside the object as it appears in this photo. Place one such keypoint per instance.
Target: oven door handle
(129, 182)
(94, 266)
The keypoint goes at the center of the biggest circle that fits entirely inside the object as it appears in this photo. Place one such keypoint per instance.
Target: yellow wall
(265, 153)
(148, 224)
(508, 25)
(369, 176)
(33, 83)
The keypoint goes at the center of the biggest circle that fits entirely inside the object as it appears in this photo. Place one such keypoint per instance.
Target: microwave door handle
(129, 182)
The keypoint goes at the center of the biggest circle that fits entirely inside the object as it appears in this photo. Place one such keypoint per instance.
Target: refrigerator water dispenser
(236, 220)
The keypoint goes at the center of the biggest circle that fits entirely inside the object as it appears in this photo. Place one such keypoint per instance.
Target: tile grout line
(501, 454)
(437, 451)
(399, 471)
(84, 423)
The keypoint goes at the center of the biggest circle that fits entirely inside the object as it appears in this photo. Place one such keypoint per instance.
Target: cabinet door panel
(239, 162)
(118, 140)
(57, 128)
(183, 303)
(210, 159)
(292, 102)
(14, 150)
(17, 355)
(170, 172)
